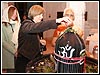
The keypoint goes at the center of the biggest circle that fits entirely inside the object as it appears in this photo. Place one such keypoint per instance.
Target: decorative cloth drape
(69, 52)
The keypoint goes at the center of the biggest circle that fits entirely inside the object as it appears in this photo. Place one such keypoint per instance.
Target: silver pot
(95, 52)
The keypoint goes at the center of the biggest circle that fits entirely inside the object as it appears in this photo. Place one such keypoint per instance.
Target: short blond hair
(35, 10)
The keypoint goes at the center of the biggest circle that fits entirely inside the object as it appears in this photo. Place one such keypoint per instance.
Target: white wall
(92, 17)
(91, 25)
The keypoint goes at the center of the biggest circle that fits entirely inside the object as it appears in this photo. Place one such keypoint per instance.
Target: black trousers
(21, 63)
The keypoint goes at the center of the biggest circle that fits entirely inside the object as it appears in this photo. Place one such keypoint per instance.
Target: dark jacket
(28, 38)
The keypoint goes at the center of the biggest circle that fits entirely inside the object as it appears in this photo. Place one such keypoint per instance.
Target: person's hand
(42, 41)
(67, 21)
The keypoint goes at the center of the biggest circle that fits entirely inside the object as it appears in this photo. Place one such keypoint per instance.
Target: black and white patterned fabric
(69, 52)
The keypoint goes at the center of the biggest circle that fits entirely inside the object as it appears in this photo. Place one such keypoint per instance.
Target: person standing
(10, 27)
(61, 28)
(28, 38)
(69, 46)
